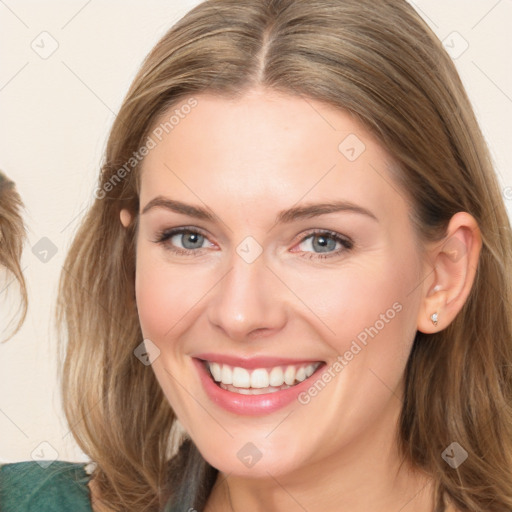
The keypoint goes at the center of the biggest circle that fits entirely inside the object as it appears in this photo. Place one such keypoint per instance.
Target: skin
(246, 160)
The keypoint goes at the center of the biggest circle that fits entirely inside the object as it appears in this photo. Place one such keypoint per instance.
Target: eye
(189, 242)
(325, 244)
(185, 241)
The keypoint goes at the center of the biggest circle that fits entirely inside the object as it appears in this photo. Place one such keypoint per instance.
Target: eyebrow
(286, 216)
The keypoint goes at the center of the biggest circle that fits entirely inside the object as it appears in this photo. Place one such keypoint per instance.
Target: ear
(451, 269)
(126, 217)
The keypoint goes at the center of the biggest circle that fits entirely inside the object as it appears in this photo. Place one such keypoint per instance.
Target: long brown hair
(12, 237)
(381, 62)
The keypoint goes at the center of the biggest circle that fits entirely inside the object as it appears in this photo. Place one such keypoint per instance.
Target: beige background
(56, 111)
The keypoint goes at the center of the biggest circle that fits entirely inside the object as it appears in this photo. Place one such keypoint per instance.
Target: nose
(249, 302)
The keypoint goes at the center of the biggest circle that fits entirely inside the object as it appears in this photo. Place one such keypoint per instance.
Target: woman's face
(274, 242)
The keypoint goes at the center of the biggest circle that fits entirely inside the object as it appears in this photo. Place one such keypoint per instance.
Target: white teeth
(241, 377)
(300, 375)
(216, 371)
(260, 378)
(310, 368)
(289, 375)
(227, 374)
(276, 376)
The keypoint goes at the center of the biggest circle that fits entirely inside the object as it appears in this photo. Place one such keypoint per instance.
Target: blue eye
(325, 244)
(321, 243)
(190, 240)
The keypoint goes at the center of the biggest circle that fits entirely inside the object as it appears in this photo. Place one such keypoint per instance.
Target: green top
(44, 486)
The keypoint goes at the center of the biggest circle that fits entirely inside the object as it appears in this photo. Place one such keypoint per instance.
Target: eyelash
(164, 235)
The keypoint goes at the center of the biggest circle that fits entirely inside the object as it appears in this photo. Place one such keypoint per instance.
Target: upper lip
(252, 362)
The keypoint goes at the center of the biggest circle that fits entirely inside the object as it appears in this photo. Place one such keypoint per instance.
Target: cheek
(168, 295)
(157, 289)
(150, 297)
(368, 310)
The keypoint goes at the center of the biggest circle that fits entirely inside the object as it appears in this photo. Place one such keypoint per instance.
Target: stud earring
(433, 317)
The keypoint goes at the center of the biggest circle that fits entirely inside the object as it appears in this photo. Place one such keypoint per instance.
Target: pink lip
(251, 362)
(250, 405)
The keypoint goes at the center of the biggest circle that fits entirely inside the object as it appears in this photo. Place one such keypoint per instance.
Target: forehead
(266, 146)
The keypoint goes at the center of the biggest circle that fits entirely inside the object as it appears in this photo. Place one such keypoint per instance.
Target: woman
(296, 271)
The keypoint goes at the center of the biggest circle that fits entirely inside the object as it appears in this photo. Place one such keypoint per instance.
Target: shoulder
(44, 486)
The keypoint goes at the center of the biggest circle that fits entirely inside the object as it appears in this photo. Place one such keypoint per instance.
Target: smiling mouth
(259, 381)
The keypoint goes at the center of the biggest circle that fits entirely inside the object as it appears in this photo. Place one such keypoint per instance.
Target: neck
(364, 475)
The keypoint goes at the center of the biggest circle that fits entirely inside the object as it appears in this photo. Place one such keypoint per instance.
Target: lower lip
(249, 405)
